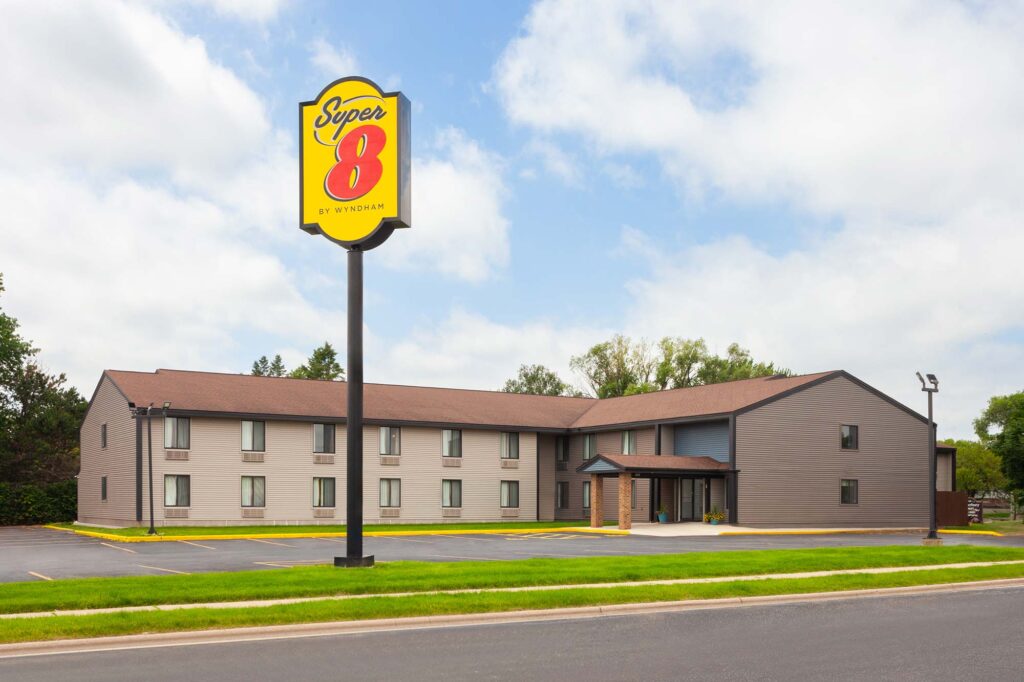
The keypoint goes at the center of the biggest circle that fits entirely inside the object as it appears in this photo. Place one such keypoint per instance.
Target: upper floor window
(509, 445)
(176, 433)
(589, 445)
(629, 442)
(562, 448)
(451, 443)
(254, 491)
(849, 437)
(323, 438)
(177, 490)
(848, 491)
(390, 440)
(254, 436)
(103, 435)
(510, 494)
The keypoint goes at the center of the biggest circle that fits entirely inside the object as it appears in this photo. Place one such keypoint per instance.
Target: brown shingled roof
(277, 396)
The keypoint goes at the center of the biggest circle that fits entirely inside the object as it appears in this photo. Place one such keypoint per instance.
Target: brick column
(625, 501)
(596, 496)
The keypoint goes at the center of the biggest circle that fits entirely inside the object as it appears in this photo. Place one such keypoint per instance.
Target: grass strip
(331, 528)
(416, 576)
(72, 627)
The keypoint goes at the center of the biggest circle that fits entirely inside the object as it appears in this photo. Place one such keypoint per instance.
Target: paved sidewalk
(529, 588)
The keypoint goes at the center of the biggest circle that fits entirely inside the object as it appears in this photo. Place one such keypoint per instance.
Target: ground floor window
(103, 488)
(451, 493)
(177, 490)
(562, 495)
(848, 493)
(586, 494)
(254, 491)
(632, 494)
(510, 494)
(323, 492)
(391, 492)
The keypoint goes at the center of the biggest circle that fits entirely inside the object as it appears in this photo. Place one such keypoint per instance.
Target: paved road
(948, 636)
(29, 553)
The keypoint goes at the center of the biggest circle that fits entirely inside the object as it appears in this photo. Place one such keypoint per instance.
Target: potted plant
(662, 514)
(714, 517)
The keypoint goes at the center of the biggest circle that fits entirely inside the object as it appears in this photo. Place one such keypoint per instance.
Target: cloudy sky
(832, 186)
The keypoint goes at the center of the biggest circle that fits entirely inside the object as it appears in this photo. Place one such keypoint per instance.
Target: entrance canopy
(653, 465)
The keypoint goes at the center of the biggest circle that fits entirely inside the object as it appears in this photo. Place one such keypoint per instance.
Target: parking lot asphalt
(35, 553)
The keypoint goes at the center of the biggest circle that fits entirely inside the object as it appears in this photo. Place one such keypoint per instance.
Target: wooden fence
(950, 508)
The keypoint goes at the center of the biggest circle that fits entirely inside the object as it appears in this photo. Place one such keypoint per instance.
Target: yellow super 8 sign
(354, 163)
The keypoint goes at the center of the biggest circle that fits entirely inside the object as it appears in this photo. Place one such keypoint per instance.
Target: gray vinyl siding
(116, 461)
(790, 461)
(546, 476)
(608, 443)
(216, 467)
(708, 439)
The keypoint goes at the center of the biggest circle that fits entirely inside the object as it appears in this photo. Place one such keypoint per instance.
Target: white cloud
(556, 160)
(143, 190)
(335, 61)
(256, 11)
(901, 122)
(469, 350)
(458, 225)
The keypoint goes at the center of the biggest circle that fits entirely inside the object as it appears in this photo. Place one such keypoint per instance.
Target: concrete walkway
(529, 588)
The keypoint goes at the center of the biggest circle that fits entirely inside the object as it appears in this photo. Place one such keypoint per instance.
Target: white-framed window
(589, 445)
(254, 491)
(586, 494)
(390, 440)
(848, 491)
(562, 449)
(103, 435)
(177, 490)
(509, 445)
(451, 493)
(323, 438)
(323, 492)
(510, 494)
(254, 436)
(103, 488)
(391, 492)
(562, 495)
(849, 437)
(629, 442)
(176, 433)
(451, 443)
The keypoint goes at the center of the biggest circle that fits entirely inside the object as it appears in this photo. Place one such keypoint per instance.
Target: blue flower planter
(662, 517)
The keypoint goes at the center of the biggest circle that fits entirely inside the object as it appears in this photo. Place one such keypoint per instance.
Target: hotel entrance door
(690, 501)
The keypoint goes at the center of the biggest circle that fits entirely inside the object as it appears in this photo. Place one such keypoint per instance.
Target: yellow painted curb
(376, 533)
(973, 532)
(838, 531)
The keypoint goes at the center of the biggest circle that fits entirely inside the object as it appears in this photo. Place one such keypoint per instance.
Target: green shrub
(31, 503)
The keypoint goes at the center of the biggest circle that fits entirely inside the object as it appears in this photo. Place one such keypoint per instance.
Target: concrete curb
(167, 639)
(113, 537)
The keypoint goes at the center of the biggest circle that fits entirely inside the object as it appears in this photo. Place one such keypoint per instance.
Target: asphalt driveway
(35, 553)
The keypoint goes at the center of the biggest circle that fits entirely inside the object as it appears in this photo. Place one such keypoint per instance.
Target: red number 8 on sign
(358, 169)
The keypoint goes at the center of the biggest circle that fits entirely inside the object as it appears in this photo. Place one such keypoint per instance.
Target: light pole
(934, 388)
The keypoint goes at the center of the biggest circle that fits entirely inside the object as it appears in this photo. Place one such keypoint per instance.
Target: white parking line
(123, 549)
(40, 575)
(157, 568)
(196, 544)
(270, 542)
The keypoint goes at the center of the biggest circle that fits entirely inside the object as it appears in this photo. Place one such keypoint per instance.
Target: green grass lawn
(411, 576)
(339, 528)
(65, 627)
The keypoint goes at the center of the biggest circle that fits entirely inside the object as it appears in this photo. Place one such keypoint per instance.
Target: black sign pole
(354, 421)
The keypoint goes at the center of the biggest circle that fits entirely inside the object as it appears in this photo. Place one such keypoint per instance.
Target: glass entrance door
(691, 499)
